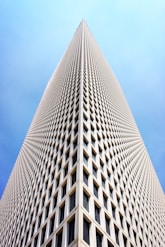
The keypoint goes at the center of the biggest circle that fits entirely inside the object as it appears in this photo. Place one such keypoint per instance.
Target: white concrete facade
(83, 176)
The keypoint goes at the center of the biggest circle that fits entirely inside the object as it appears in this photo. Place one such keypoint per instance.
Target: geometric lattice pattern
(83, 176)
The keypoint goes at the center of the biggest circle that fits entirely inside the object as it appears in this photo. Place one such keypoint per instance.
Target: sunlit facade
(83, 176)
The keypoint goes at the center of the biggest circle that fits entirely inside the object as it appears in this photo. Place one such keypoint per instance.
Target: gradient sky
(35, 34)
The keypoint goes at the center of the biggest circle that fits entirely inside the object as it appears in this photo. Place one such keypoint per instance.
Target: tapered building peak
(83, 176)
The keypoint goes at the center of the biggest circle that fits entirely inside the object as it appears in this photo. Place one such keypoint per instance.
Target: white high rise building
(83, 176)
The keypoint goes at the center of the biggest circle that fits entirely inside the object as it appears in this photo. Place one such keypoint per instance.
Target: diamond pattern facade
(83, 176)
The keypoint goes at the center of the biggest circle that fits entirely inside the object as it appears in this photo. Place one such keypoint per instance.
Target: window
(118, 200)
(85, 129)
(92, 128)
(61, 215)
(76, 129)
(57, 182)
(73, 177)
(125, 210)
(125, 241)
(70, 119)
(51, 225)
(59, 239)
(75, 143)
(85, 158)
(103, 181)
(59, 165)
(31, 217)
(55, 200)
(71, 226)
(85, 142)
(86, 201)
(117, 235)
(115, 182)
(98, 239)
(110, 244)
(43, 201)
(95, 189)
(43, 234)
(33, 228)
(86, 235)
(50, 191)
(113, 211)
(27, 234)
(121, 220)
(76, 118)
(134, 233)
(74, 158)
(92, 140)
(131, 217)
(67, 155)
(49, 244)
(93, 155)
(35, 241)
(65, 170)
(39, 220)
(94, 171)
(68, 140)
(63, 190)
(85, 177)
(37, 210)
(101, 165)
(121, 192)
(97, 213)
(85, 117)
(72, 200)
(98, 137)
(111, 191)
(61, 151)
(107, 223)
(69, 129)
(108, 175)
(47, 211)
(105, 200)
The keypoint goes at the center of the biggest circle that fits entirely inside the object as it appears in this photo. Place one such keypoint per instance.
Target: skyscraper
(83, 176)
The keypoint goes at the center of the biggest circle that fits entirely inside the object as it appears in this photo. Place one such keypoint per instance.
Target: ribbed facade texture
(83, 176)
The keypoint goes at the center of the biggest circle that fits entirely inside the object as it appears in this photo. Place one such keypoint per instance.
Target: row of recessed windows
(43, 217)
(59, 164)
(55, 148)
(105, 199)
(85, 117)
(98, 234)
(52, 178)
(93, 154)
(100, 150)
(59, 120)
(62, 114)
(59, 235)
(71, 234)
(97, 210)
(86, 198)
(55, 198)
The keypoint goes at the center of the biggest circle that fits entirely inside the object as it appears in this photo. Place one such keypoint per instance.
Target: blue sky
(35, 34)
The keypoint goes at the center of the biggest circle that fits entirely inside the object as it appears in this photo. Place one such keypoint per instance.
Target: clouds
(34, 36)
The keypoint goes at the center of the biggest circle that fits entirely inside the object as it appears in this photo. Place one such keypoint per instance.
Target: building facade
(83, 176)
